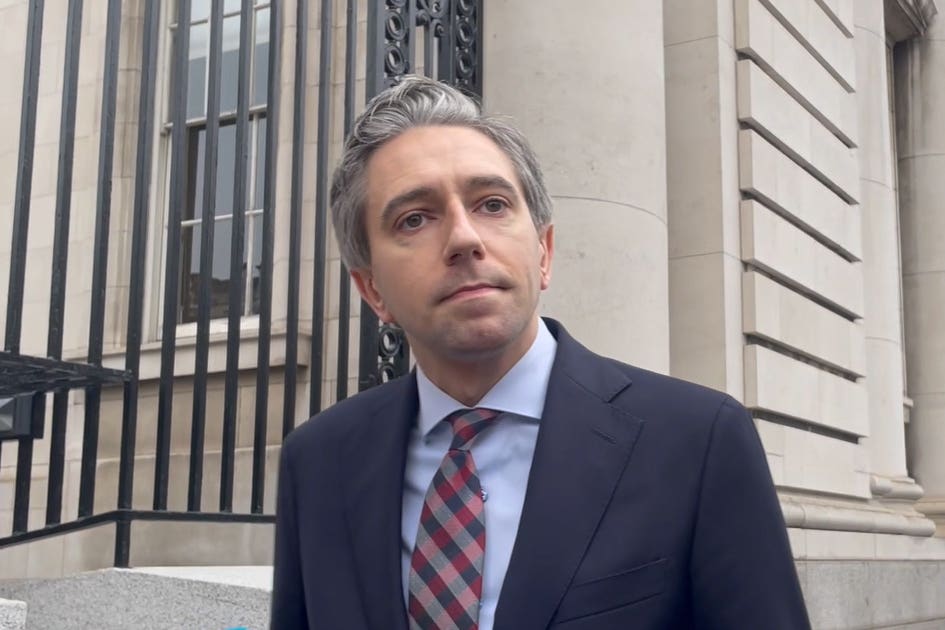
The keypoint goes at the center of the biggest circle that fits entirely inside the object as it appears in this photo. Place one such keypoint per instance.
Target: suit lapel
(584, 444)
(373, 499)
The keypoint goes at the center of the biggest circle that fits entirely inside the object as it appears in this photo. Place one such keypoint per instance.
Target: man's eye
(494, 205)
(413, 221)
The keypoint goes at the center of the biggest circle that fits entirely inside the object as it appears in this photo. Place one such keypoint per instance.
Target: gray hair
(417, 102)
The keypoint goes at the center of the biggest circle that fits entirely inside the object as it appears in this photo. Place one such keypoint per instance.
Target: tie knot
(467, 424)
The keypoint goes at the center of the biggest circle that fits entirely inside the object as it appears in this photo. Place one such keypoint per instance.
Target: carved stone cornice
(906, 19)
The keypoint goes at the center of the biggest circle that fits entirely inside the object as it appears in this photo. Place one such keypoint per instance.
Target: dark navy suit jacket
(649, 505)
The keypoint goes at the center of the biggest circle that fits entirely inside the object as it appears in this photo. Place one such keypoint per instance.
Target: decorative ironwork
(453, 29)
(393, 352)
(466, 46)
(455, 26)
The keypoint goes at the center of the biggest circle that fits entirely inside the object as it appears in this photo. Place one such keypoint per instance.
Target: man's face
(456, 260)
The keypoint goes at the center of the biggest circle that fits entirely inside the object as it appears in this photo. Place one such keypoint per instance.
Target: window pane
(199, 9)
(257, 259)
(230, 64)
(259, 200)
(231, 5)
(226, 168)
(197, 71)
(195, 161)
(261, 58)
(190, 269)
(220, 271)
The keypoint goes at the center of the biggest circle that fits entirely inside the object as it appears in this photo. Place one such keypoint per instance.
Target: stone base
(153, 543)
(934, 508)
(851, 594)
(12, 615)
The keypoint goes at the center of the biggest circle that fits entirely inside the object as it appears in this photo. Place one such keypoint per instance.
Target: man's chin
(480, 340)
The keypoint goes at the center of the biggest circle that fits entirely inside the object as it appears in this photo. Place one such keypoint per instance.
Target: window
(191, 223)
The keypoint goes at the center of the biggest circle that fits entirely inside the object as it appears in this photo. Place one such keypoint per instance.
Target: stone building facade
(749, 194)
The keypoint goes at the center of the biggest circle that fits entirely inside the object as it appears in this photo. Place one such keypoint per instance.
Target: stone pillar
(881, 267)
(920, 105)
(587, 88)
(705, 266)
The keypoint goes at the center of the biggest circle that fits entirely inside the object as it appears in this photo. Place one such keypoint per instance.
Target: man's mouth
(470, 291)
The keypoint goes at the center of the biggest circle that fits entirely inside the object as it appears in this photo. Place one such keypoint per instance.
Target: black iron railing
(451, 51)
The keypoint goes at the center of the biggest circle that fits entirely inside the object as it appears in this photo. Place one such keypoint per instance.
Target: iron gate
(441, 37)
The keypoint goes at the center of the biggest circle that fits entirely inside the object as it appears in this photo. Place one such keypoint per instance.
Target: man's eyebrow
(408, 196)
(491, 181)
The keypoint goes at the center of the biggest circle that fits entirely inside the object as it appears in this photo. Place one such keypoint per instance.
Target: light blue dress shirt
(503, 456)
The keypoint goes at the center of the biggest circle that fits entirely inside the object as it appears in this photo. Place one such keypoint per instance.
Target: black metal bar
(295, 219)
(320, 259)
(93, 395)
(344, 285)
(235, 312)
(178, 193)
(24, 468)
(106, 153)
(24, 473)
(57, 293)
(139, 238)
(122, 543)
(57, 461)
(265, 279)
(24, 176)
(202, 350)
(478, 21)
(129, 416)
(128, 516)
(429, 41)
(379, 56)
(376, 48)
(446, 70)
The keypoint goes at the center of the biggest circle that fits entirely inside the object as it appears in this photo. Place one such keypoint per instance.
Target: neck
(469, 379)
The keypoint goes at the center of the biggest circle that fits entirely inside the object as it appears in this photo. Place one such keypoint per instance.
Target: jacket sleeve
(288, 597)
(742, 571)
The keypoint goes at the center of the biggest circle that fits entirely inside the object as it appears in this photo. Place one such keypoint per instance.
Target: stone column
(705, 266)
(882, 318)
(920, 104)
(587, 87)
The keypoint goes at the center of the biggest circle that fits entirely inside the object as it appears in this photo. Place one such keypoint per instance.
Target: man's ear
(364, 280)
(546, 250)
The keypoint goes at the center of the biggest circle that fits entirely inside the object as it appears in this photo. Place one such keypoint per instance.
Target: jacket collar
(584, 444)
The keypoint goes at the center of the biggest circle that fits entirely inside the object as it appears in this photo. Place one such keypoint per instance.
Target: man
(514, 480)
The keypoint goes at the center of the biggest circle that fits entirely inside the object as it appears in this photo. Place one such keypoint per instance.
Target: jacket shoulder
(344, 420)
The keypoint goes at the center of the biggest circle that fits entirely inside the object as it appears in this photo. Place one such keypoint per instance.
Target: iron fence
(450, 50)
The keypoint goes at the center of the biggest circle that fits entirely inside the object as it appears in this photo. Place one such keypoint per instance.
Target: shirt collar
(521, 391)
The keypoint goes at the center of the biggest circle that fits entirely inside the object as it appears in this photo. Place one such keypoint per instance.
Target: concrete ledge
(12, 615)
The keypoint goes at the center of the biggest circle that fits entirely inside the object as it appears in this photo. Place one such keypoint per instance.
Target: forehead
(433, 156)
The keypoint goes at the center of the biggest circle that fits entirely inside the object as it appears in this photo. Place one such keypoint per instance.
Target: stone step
(208, 598)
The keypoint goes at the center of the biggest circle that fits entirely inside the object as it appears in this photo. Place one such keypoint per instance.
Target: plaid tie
(446, 567)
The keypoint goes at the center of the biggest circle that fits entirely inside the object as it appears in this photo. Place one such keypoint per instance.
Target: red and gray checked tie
(446, 567)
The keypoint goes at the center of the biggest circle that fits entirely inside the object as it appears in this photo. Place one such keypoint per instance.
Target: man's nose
(463, 238)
